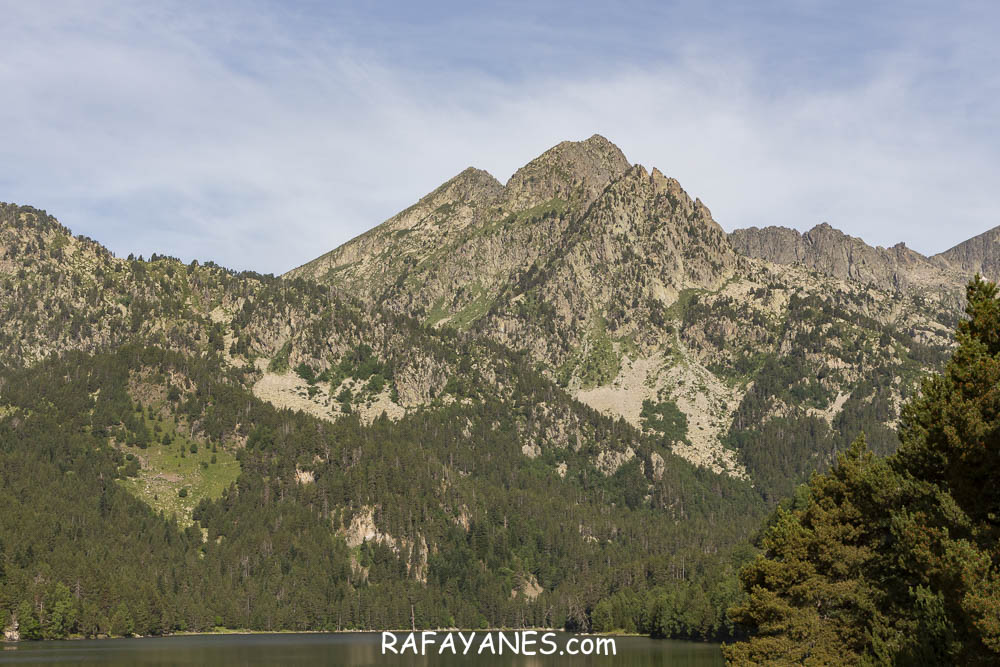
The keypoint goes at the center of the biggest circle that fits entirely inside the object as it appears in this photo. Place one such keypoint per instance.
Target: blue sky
(260, 135)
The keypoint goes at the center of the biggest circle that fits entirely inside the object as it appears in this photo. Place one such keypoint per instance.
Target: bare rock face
(780, 245)
(573, 171)
(831, 252)
(980, 254)
(828, 251)
(411, 234)
(641, 243)
(12, 632)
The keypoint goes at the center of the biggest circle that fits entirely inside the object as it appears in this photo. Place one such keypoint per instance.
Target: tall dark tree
(895, 561)
(809, 594)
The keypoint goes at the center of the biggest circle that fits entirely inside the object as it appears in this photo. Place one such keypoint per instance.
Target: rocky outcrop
(572, 171)
(609, 461)
(980, 254)
(831, 252)
(528, 587)
(362, 529)
(12, 632)
(410, 234)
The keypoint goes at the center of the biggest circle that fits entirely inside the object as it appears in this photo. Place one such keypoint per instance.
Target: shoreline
(7, 644)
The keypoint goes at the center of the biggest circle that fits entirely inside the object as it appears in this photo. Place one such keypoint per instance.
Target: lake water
(335, 649)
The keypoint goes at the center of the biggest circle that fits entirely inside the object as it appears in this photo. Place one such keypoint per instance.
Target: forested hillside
(327, 525)
(149, 488)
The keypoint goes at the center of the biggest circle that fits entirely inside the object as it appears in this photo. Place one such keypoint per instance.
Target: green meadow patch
(175, 477)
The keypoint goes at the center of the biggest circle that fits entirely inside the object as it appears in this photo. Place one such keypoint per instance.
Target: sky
(261, 134)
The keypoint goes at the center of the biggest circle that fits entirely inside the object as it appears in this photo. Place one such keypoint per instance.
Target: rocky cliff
(831, 252)
(980, 254)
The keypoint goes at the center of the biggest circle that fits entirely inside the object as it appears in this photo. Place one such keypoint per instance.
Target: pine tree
(62, 615)
(27, 621)
(951, 453)
(809, 596)
(951, 435)
(122, 624)
(895, 561)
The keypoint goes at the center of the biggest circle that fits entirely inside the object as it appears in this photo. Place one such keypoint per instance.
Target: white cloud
(239, 141)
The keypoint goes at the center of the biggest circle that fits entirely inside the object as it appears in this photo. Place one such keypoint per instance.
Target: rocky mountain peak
(472, 185)
(665, 183)
(470, 188)
(574, 171)
(980, 254)
(449, 209)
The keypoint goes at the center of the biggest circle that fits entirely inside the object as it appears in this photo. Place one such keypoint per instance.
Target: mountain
(508, 405)
(183, 447)
(448, 256)
(980, 254)
(940, 278)
(553, 249)
(833, 253)
(626, 292)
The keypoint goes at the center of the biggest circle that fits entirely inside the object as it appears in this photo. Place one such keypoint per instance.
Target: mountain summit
(624, 289)
(568, 175)
(572, 171)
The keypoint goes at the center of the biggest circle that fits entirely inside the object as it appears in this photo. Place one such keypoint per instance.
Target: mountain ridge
(980, 254)
(633, 296)
(834, 253)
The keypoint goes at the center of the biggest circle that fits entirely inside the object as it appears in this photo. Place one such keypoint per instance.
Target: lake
(336, 649)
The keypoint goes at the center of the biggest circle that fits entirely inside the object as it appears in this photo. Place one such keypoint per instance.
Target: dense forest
(84, 556)
(894, 560)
